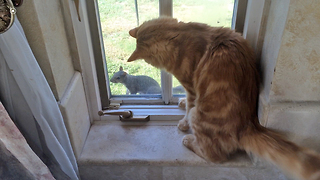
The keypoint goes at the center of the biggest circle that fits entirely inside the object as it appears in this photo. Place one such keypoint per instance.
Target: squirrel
(141, 84)
(136, 84)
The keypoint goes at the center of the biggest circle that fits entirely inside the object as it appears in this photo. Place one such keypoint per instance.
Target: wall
(290, 92)
(47, 28)
(297, 77)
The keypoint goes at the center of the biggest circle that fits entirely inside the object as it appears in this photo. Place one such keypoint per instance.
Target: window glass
(212, 12)
(119, 16)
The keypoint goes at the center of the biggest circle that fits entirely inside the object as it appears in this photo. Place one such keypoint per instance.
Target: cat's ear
(135, 55)
(121, 68)
(133, 32)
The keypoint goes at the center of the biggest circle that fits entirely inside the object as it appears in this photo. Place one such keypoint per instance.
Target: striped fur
(217, 68)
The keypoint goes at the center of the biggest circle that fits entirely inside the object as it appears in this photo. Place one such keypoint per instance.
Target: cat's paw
(183, 125)
(182, 103)
(187, 140)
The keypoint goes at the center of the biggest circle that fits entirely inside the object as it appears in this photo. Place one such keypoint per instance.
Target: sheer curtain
(28, 98)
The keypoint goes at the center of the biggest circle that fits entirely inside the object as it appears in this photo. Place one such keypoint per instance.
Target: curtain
(29, 100)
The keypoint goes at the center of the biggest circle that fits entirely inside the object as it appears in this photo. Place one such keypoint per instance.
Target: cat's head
(154, 40)
(119, 76)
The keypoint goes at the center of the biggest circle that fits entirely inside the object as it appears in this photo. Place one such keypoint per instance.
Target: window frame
(94, 74)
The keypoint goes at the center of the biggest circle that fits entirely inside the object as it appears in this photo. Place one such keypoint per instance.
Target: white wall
(51, 37)
(290, 64)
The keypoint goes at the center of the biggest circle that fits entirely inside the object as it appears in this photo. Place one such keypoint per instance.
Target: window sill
(156, 152)
(109, 144)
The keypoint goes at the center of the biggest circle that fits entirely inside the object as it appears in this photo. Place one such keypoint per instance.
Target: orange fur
(217, 68)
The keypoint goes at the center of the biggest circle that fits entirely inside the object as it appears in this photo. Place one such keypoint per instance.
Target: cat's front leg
(182, 104)
(183, 124)
(191, 143)
(190, 140)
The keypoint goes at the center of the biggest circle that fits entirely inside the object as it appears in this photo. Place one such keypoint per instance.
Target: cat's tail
(294, 160)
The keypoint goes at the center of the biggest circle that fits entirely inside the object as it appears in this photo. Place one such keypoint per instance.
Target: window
(110, 21)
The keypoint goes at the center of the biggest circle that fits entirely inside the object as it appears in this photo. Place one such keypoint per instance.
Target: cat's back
(227, 75)
(223, 55)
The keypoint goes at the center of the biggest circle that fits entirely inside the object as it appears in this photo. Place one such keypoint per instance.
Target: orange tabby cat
(218, 71)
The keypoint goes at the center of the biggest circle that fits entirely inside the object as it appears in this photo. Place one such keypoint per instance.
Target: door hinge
(125, 115)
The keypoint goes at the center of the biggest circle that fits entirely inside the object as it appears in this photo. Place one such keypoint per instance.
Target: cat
(136, 84)
(219, 72)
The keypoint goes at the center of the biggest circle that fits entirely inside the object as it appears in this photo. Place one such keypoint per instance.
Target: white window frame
(92, 60)
(167, 98)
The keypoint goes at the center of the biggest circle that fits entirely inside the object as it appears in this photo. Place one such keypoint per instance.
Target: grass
(118, 17)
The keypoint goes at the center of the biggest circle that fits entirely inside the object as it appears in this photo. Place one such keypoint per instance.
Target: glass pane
(177, 88)
(117, 18)
(212, 12)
